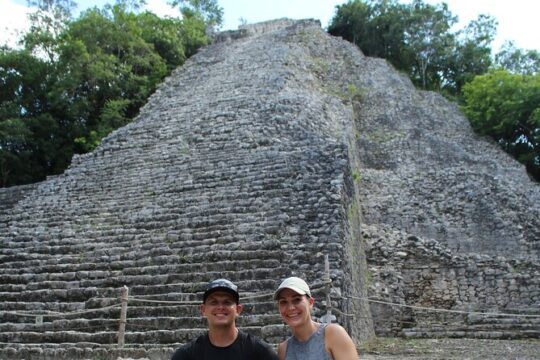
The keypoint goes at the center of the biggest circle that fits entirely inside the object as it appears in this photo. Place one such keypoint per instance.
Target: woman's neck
(304, 332)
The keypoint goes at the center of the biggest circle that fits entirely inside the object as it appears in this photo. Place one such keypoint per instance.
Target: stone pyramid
(272, 149)
(239, 166)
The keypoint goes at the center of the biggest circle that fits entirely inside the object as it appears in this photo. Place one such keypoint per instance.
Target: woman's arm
(339, 344)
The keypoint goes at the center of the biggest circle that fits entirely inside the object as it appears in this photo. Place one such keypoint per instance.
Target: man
(223, 341)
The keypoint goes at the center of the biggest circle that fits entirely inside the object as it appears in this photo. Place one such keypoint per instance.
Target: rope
(57, 314)
(256, 296)
(442, 310)
(135, 299)
(164, 301)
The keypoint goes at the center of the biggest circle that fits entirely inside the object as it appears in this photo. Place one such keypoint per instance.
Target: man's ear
(201, 309)
(239, 309)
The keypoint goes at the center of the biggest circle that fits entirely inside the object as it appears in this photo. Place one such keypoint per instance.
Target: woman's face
(295, 309)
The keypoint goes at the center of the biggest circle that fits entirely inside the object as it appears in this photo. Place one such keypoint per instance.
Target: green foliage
(416, 38)
(518, 61)
(506, 107)
(377, 27)
(26, 129)
(356, 176)
(77, 80)
(471, 55)
(354, 93)
(208, 10)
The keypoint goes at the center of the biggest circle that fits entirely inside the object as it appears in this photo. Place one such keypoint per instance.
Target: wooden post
(328, 318)
(123, 315)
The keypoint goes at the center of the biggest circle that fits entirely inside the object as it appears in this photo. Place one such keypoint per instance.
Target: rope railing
(262, 295)
(425, 308)
(57, 314)
(325, 285)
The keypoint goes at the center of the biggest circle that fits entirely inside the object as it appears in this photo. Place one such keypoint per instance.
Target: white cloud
(161, 8)
(14, 21)
(14, 18)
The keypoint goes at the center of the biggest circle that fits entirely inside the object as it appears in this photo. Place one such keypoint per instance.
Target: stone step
(112, 199)
(27, 282)
(67, 351)
(134, 323)
(84, 294)
(70, 263)
(87, 350)
(254, 309)
(41, 306)
(185, 237)
(494, 331)
(504, 321)
(270, 268)
(248, 299)
(172, 243)
(110, 337)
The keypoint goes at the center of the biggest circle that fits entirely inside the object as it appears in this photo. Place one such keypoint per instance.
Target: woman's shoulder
(334, 329)
(339, 343)
(335, 334)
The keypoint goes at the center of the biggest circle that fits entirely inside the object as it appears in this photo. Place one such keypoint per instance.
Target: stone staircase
(233, 169)
(523, 325)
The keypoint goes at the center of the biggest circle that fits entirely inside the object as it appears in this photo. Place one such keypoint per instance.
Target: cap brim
(293, 288)
(224, 289)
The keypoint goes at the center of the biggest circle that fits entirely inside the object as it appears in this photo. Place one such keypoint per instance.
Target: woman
(310, 340)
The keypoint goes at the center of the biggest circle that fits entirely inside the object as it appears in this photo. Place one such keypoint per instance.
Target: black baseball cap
(222, 285)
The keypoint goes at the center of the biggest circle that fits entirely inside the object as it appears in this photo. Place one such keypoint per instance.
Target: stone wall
(425, 172)
(425, 176)
(409, 270)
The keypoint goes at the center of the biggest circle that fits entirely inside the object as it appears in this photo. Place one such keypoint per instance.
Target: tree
(506, 107)
(471, 54)
(518, 61)
(417, 38)
(208, 10)
(428, 39)
(78, 80)
(350, 21)
(33, 142)
(47, 22)
(376, 27)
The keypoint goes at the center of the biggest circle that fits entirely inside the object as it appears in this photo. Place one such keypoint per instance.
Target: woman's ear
(311, 301)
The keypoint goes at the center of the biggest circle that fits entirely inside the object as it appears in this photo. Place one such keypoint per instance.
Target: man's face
(220, 309)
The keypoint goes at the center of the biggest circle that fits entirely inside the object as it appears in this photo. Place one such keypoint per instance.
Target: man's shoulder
(189, 350)
(247, 337)
(258, 346)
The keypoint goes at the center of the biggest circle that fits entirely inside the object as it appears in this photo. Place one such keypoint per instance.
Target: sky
(517, 18)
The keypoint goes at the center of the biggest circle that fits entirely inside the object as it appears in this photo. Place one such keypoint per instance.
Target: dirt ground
(463, 349)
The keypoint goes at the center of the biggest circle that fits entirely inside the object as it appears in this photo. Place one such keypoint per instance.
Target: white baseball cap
(294, 283)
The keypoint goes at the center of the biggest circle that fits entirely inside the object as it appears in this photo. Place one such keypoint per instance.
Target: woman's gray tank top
(312, 349)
